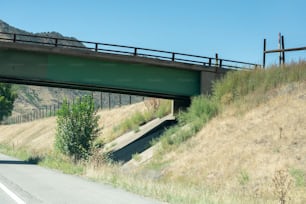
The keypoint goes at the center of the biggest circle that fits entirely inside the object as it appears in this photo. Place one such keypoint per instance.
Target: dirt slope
(243, 150)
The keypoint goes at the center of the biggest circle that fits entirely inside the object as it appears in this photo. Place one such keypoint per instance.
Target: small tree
(77, 128)
(7, 98)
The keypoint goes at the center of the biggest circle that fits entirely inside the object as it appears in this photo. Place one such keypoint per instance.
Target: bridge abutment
(179, 105)
(207, 79)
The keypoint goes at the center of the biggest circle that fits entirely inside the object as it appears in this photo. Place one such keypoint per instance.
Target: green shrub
(77, 128)
(202, 109)
(7, 98)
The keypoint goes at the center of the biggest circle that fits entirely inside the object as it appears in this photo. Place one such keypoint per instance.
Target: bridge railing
(210, 62)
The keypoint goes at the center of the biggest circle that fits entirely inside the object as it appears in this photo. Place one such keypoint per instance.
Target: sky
(234, 29)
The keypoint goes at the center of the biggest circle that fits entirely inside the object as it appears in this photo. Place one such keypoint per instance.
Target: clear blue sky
(233, 28)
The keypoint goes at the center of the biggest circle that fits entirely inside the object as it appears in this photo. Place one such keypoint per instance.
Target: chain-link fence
(102, 101)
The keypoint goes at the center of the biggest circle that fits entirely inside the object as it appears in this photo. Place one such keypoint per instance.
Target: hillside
(238, 152)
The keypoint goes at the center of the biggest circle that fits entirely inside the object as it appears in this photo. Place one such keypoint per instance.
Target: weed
(299, 177)
(282, 184)
(243, 177)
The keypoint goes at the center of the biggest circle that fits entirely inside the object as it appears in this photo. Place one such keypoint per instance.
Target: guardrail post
(209, 62)
(173, 57)
(96, 47)
(135, 51)
(14, 38)
(216, 59)
(56, 41)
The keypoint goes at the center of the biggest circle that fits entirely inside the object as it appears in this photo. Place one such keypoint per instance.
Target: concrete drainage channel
(122, 149)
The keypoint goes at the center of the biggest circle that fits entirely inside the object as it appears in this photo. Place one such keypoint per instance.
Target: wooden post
(283, 47)
(264, 54)
(280, 47)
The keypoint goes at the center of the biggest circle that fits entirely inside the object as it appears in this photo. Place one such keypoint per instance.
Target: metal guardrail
(129, 50)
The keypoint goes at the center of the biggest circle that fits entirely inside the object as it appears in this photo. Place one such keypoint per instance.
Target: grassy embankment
(258, 126)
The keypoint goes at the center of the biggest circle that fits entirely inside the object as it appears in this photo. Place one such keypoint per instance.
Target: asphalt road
(24, 183)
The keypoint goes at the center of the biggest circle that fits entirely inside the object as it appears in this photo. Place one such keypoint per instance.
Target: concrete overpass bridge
(69, 63)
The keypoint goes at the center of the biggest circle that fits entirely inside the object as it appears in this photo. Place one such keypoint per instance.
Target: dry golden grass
(39, 135)
(36, 136)
(110, 118)
(240, 152)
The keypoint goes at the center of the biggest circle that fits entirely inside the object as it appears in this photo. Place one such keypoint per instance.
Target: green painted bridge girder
(103, 74)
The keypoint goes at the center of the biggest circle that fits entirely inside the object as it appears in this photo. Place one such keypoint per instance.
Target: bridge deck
(55, 63)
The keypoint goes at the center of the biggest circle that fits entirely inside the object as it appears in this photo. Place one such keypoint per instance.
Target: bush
(77, 128)
(7, 98)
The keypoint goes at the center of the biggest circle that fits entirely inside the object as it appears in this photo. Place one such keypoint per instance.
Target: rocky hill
(6, 28)
(34, 97)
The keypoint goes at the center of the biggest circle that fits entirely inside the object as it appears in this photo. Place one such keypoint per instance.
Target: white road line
(11, 194)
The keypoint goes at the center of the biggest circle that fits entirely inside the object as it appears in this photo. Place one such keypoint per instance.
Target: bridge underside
(47, 67)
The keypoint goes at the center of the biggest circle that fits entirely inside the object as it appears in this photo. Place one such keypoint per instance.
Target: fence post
(101, 100)
(264, 54)
(109, 101)
(14, 38)
(56, 41)
(120, 100)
